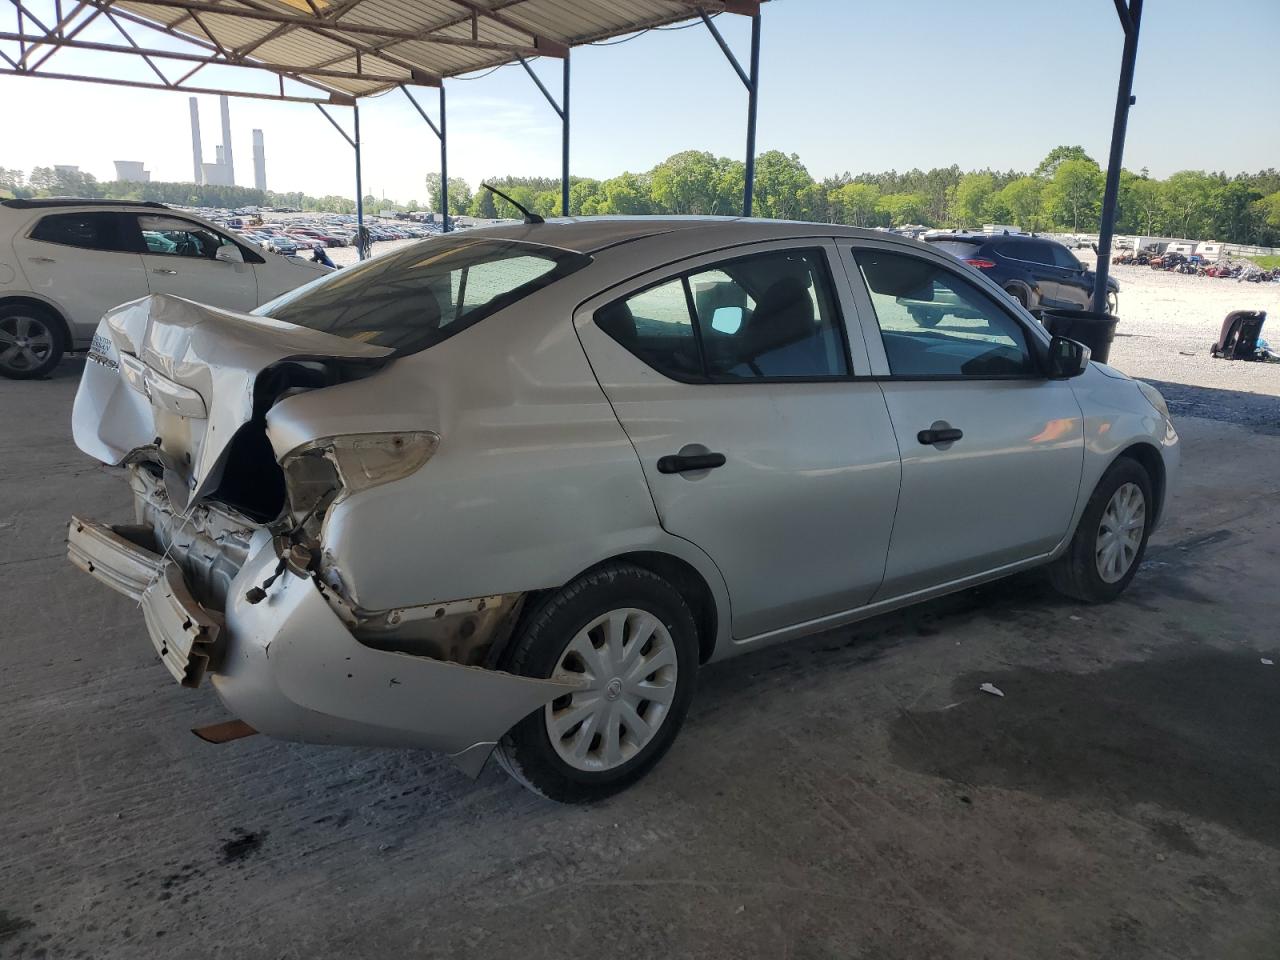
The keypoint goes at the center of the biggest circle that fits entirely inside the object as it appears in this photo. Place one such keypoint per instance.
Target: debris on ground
(992, 689)
(1240, 338)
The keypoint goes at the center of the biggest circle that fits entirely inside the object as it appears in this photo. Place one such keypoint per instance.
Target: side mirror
(229, 253)
(1067, 358)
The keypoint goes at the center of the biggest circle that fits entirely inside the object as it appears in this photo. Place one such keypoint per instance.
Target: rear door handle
(163, 272)
(42, 260)
(675, 463)
(947, 435)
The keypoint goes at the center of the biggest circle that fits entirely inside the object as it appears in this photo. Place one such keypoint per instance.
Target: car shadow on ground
(1257, 411)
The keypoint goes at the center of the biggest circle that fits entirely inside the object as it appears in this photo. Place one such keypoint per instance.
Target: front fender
(1118, 417)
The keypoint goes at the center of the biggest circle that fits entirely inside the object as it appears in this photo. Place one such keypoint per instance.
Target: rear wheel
(1109, 543)
(1018, 294)
(628, 639)
(31, 341)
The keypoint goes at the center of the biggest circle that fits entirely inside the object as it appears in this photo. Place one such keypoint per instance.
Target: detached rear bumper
(290, 668)
(186, 635)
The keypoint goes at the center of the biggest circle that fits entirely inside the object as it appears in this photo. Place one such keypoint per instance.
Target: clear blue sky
(846, 84)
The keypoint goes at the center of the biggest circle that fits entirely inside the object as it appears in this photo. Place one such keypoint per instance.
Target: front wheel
(628, 639)
(1111, 538)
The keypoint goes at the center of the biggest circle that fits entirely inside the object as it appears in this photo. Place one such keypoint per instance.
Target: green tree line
(1063, 192)
(51, 182)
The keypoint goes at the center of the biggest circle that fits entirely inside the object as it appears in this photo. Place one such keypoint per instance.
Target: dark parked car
(1037, 272)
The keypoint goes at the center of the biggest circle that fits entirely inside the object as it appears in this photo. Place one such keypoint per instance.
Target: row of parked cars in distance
(332, 230)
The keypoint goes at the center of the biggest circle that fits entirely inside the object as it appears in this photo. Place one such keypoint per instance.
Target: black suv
(1037, 272)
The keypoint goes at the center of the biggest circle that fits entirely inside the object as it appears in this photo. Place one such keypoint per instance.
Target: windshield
(425, 293)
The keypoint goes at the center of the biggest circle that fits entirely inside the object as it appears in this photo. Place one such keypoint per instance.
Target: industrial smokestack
(259, 162)
(197, 155)
(226, 140)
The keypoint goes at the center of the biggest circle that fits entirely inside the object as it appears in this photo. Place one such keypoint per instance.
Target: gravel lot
(1168, 322)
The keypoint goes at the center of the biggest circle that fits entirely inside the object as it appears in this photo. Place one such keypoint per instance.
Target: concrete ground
(851, 795)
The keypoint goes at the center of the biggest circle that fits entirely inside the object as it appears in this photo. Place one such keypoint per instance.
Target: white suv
(66, 262)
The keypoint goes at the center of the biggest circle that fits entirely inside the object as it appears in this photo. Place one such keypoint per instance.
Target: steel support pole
(444, 167)
(750, 80)
(355, 112)
(562, 111)
(564, 142)
(753, 89)
(1124, 99)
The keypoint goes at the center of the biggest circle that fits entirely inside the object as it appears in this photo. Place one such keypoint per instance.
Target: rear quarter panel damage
(534, 480)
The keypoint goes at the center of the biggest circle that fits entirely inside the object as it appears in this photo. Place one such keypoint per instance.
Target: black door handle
(949, 435)
(674, 463)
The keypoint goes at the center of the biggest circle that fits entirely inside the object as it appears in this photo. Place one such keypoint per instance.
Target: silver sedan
(507, 491)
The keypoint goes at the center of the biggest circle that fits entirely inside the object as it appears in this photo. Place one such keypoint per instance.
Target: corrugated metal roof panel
(392, 37)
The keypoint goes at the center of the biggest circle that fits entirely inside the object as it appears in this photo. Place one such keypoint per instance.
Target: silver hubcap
(1120, 532)
(25, 343)
(628, 661)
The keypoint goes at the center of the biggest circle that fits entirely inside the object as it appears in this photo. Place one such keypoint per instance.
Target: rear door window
(657, 327)
(98, 230)
(1062, 257)
(766, 316)
(417, 297)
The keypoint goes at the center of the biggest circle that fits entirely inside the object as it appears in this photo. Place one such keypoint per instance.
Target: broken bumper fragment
(290, 668)
(185, 634)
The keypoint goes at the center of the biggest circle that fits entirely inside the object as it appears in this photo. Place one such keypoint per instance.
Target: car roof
(957, 238)
(593, 234)
(36, 203)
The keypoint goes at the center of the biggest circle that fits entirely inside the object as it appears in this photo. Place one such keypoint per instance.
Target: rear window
(957, 248)
(416, 297)
(98, 230)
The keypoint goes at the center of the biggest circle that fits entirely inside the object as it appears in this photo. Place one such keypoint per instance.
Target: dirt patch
(11, 926)
(242, 845)
(1197, 733)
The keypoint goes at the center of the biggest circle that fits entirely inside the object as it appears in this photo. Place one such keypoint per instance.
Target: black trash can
(1094, 330)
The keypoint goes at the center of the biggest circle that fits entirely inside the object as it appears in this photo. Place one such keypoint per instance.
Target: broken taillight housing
(322, 471)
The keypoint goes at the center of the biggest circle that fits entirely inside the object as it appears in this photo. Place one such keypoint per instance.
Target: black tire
(1075, 574)
(32, 341)
(1017, 294)
(526, 752)
(925, 316)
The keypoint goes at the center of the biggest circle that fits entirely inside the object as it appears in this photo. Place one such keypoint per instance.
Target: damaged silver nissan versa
(510, 488)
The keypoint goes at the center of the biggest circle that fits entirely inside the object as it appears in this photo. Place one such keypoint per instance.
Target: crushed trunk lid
(173, 380)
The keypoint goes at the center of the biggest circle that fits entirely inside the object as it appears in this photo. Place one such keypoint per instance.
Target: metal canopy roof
(345, 48)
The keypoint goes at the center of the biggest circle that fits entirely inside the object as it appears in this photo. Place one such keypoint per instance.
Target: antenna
(529, 215)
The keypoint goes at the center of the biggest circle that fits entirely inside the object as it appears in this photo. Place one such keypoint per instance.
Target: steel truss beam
(203, 59)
